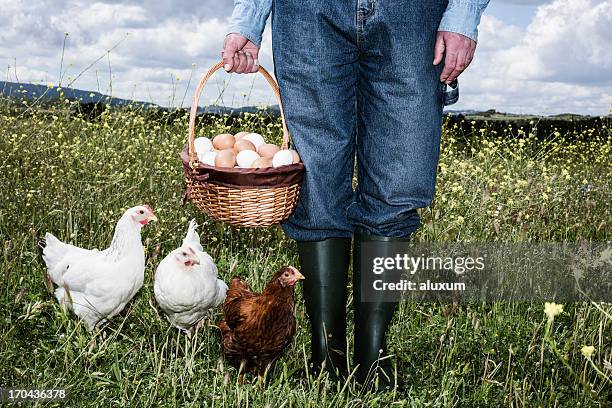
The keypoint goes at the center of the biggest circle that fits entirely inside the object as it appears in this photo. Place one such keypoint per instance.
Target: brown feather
(257, 327)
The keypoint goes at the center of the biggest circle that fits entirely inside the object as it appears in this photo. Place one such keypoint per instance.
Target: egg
(223, 141)
(282, 158)
(268, 150)
(202, 144)
(262, 163)
(296, 156)
(244, 145)
(255, 138)
(246, 158)
(240, 135)
(207, 158)
(225, 158)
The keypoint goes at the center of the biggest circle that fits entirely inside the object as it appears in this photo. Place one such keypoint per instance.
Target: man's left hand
(459, 51)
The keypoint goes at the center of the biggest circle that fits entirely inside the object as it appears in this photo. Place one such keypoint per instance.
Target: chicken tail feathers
(48, 245)
(52, 251)
(193, 238)
(239, 283)
(42, 244)
(238, 290)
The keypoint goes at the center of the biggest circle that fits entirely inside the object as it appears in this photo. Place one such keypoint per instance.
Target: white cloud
(498, 35)
(158, 42)
(560, 62)
(568, 41)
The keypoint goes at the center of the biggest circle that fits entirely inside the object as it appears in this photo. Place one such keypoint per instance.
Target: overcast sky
(533, 56)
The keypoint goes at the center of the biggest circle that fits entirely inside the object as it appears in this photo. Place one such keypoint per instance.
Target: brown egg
(240, 135)
(268, 150)
(296, 156)
(224, 141)
(225, 158)
(262, 163)
(244, 145)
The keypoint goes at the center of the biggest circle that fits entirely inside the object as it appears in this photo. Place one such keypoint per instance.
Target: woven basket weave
(241, 197)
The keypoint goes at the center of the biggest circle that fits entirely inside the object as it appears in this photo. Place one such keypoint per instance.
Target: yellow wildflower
(552, 309)
(587, 351)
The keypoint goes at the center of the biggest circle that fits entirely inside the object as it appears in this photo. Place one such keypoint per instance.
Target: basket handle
(193, 157)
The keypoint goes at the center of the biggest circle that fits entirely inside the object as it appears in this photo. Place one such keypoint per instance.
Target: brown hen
(257, 327)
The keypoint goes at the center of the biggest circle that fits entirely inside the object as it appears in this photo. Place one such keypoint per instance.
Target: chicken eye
(184, 254)
(141, 211)
(286, 274)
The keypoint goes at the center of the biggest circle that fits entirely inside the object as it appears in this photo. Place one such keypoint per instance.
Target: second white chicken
(186, 283)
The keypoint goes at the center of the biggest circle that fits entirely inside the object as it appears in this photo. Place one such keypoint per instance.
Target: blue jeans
(357, 80)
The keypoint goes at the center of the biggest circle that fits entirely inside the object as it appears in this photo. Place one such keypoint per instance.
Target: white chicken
(186, 284)
(96, 285)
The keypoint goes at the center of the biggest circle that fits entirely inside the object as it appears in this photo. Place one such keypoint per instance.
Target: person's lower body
(357, 83)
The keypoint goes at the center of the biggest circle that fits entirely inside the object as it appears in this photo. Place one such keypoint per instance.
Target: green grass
(74, 177)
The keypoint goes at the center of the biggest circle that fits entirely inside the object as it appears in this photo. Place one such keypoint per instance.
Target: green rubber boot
(371, 322)
(325, 265)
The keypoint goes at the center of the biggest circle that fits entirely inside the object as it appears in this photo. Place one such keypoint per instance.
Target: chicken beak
(152, 217)
(195, 260)
(299, 276)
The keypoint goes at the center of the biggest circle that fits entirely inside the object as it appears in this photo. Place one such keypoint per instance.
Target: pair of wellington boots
(325, 265)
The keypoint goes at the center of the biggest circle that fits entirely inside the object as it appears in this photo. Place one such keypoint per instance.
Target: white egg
(203, 144)
(246, 158)
(256, 139)
(282, 158)
(207, 158)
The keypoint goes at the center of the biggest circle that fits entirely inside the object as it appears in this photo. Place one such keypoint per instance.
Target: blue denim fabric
(360, 81)
(461, 16)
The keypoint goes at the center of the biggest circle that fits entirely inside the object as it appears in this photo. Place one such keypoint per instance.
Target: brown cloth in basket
(244, 178)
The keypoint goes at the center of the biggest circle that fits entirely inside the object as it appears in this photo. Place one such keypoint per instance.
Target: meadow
(73, 175)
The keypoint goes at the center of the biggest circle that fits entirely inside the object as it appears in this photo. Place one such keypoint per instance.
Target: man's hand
(239, 54)
(459, 53)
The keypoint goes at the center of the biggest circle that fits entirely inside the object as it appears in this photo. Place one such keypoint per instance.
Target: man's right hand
(239, 54)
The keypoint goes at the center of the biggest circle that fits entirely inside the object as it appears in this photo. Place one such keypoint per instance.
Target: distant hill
(45, 94)
(492, 115)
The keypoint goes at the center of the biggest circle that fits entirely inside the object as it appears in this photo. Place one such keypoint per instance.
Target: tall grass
(73, 175)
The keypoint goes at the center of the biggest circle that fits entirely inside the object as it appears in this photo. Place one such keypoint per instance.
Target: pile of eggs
(243, 150)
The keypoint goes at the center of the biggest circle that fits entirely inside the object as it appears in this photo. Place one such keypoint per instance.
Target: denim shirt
(461, 16)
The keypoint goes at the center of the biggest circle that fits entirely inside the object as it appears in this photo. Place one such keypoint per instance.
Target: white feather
(186, 294)
(96, 285)
(193, 238)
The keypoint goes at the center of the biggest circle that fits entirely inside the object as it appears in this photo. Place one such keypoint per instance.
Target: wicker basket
(241, 197)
